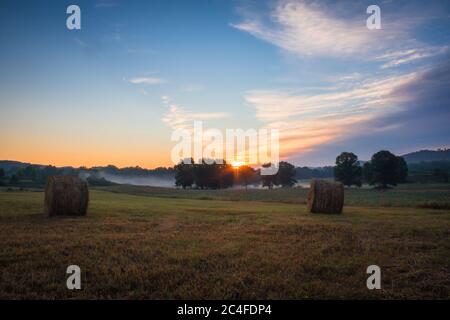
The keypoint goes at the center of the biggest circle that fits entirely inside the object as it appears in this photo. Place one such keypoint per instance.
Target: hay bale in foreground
(325, 197)
(66, 196)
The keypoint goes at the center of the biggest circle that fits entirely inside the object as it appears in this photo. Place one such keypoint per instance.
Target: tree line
(383, 170)
(30, 175)
(220, 174)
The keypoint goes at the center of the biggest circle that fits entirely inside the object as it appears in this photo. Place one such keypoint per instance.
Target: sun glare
(237, 164)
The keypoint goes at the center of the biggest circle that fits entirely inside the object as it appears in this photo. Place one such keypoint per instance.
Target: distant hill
(427, 156)
(9, 165)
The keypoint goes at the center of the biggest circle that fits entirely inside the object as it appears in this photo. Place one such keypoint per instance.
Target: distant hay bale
(325, 197)
(66, 196)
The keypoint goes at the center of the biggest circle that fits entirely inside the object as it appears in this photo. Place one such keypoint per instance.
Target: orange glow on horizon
(237, 164)
(88, 158)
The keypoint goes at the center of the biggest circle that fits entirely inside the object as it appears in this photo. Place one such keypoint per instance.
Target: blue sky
(113, 91)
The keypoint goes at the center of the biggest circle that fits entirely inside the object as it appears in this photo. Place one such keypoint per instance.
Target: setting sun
(237, 164)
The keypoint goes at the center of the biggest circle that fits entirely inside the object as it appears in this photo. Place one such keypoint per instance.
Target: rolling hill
(427, 156)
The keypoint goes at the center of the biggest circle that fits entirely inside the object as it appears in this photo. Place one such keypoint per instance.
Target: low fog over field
(139, 181)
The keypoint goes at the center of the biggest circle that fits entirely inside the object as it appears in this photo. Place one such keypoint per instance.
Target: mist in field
(139, 181)
(133, 180)
(168, 182)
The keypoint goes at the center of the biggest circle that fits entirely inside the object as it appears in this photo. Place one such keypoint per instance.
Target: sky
(114, 91)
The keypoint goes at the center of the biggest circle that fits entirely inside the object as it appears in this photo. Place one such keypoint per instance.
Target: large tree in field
(402, 170)
(384, 167)
(226, 175)
(347, 169)
(245, 175)
(184, 175)
(286, 174)
(367, 172)
(268, 180)
(204, 175)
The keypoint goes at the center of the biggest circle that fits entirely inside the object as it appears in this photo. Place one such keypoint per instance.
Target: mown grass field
(408, 195)
(154, 243)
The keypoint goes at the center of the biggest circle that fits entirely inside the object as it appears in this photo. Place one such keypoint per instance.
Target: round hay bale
(66, 196)
(325, 197)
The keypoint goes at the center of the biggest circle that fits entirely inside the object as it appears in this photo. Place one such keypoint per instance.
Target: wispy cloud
(308, 30)
(353, 103)
(346, 77)
(306, 121)
(148, 80)
(313, 29)
(396, 58)
(166, 99)
(280, 105)
(178, 117)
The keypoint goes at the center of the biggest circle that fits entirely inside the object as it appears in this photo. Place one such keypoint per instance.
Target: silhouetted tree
(347, 169)
(268, 180)
(226, 175)
(384, 169)
(368, 172)
(245, 175)
(286, 174)
(402, 170)
(204, 175)
(184, 175)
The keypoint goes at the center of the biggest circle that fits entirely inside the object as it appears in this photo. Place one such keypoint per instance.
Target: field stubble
(167, 244)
